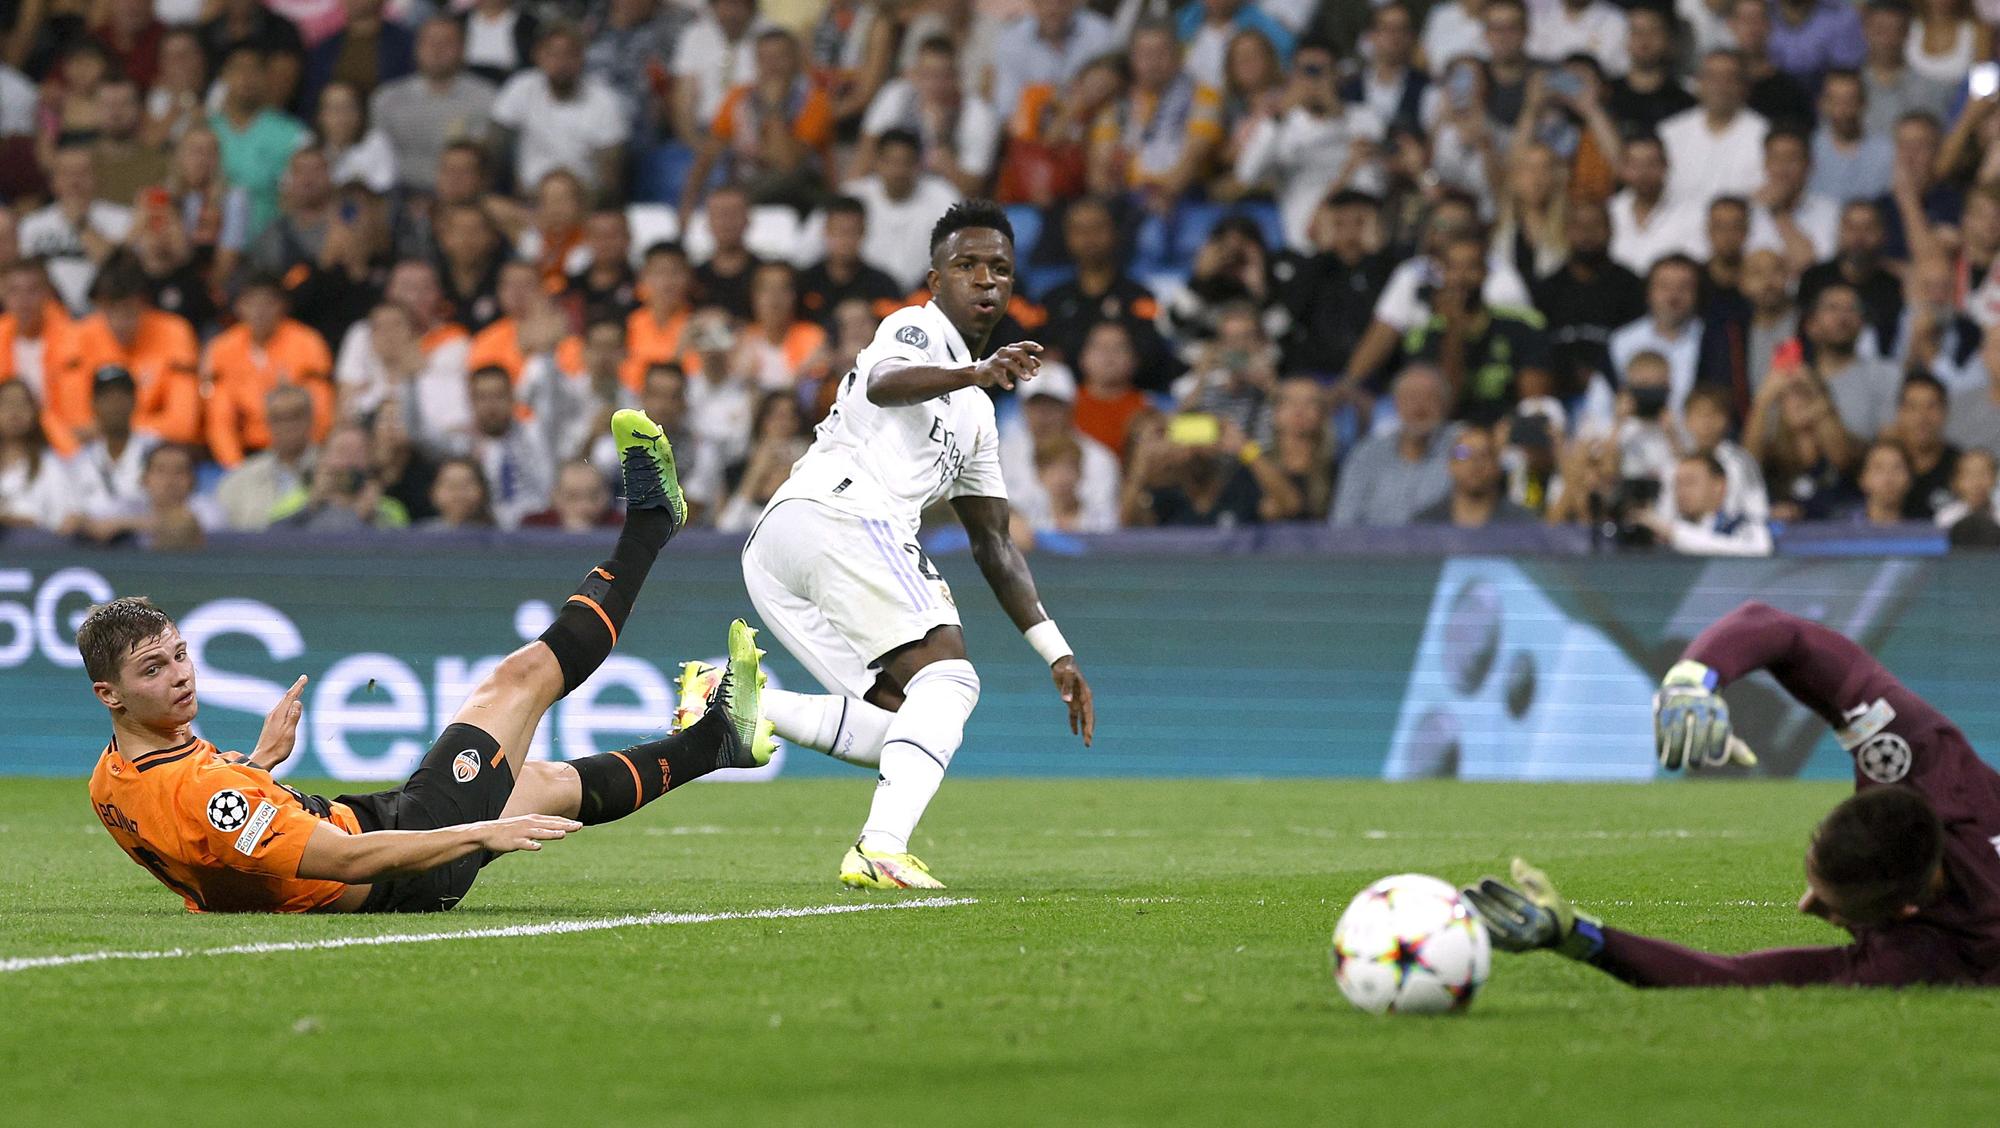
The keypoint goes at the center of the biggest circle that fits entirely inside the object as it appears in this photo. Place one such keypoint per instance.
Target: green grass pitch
(1140, 953)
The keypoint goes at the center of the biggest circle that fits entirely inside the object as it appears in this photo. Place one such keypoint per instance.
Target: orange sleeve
(724, 126)
(496, 347)
(569, 356)
(238, 817)
(815, 122)
(225, 421)
(1205, 116)
(170, 406)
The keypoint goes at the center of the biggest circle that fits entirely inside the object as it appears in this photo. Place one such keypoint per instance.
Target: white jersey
(892, 463)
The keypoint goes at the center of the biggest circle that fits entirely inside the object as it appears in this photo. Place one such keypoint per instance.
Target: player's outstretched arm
(898, 383)
(1529, 913)
(1006, 572)
(357, 859)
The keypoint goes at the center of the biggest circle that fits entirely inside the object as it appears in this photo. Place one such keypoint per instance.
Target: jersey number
(924, 566)
(153, 863)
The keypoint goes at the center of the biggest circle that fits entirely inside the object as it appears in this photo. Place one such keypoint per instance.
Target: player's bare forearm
(999, 560)
(896, 384)
(355, 859)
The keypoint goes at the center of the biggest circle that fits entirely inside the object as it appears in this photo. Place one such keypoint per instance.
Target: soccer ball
(1410, 945)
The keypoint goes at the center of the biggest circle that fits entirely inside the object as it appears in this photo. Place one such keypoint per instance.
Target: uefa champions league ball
(1409, 944)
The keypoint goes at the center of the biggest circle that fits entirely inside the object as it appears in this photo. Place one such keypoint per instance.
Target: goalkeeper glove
(1531, 914)
(1691, 722)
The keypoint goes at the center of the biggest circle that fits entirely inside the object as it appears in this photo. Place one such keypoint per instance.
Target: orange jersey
(216, 830)
(649, 342)
(242, 374)
(60, 420)
(162, 360)
(499, 346)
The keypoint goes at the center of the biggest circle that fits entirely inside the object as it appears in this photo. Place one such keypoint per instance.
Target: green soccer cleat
(742, 689)
(870, 869)
(698, 683)
(648, 459)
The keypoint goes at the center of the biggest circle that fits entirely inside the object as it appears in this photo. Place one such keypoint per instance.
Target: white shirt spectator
(1402, 306)
(47, 498)
(1304, 154)
(1721, 534)
(1703, 164)
(720, 413)
(1708, 26)
(18, 98)
(551, 133)
(438, 406)
(975, 136)
(49, 234)
(103, 482)
(1450, 32)
(370, 163)
(1097, 485)
(1746, 493)
(520, 472)
(976, 45)
(490, 42)
(705, 57)
(1683, 353)
(1030, 60)
(897, 241)
(1598, 30)
(1671, 229)
(1817, 217)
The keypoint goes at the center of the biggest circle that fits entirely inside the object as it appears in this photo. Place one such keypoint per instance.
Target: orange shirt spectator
(499, 346)
(263, 350)
(61, 420)
(155, 347)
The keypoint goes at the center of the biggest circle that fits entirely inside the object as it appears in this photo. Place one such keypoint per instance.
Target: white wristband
(1047, 639)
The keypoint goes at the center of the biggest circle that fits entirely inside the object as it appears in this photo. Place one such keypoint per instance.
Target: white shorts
(840, 591)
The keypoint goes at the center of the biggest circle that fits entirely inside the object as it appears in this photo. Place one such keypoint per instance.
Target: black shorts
(460, 781)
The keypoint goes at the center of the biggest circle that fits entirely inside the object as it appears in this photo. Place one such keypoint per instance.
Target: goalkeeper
(1909, 864)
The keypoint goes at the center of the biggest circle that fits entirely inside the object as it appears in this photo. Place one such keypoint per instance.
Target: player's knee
(954, 676)
(529, 668)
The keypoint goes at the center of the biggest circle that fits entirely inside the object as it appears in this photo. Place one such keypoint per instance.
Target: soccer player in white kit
(834, 567)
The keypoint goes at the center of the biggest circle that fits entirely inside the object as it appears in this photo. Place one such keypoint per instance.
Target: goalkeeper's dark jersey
(1895, 737)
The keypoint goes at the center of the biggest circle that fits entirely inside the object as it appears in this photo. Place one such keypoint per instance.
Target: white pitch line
(552, 928)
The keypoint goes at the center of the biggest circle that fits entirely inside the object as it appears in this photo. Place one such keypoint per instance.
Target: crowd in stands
(1675, 270)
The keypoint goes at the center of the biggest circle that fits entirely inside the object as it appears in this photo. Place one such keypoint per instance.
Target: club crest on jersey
(465, 766)
(1884, 758)
(228, 810)
(911, 335)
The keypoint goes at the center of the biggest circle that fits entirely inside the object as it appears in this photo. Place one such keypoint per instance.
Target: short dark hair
(113, 630)
(1714, 395)
(846, 205)
(1708, 462)
(1740, 203)
(1353, 198)
(1878, 851)
(665, 248)
(1922, 379)
(488, 372)
(1676, 260)
(899, 136)
(968, 214)
(1787, 133)
(121, 278)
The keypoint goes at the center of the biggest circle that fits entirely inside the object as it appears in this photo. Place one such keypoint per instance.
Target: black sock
(587, 627)
(615, 784)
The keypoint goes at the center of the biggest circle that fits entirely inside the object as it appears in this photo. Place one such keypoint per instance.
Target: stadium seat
(660, 174)
(1027, 221)
(651, 224)
(774, 234)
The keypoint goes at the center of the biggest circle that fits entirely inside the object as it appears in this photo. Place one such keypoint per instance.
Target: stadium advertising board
(1476, 667)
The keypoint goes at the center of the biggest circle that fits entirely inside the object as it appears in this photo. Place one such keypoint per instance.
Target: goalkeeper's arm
(1529, 913)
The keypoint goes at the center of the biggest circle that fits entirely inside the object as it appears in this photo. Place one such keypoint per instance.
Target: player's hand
(1691, 722)
(281, 728)
(1076, 694)
(523, 832)
(1531, 913)
(1011, 365)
